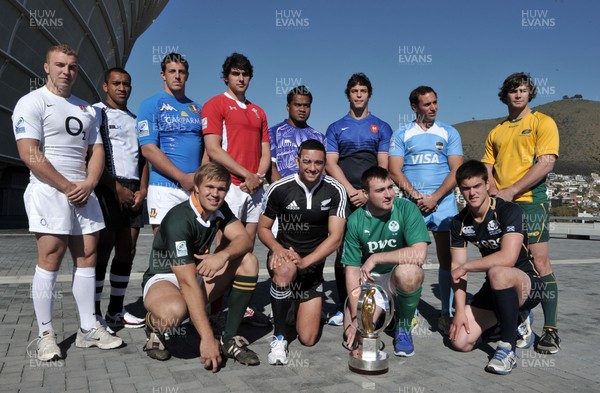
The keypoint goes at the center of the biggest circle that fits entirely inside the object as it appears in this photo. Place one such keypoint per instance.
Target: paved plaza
(322, 368)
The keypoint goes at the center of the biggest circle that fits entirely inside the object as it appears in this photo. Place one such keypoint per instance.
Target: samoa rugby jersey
(285, 140)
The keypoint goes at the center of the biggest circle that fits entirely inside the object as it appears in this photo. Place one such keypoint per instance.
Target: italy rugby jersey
(426, 153)
(175, 127)
(358, 142)
(367, 234)
(285, 140)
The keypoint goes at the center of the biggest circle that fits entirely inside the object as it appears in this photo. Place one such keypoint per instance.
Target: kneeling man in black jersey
(311, 211)
(499, 229)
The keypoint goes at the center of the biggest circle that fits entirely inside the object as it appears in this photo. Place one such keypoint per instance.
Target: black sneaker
(549, 342)
(237, 348)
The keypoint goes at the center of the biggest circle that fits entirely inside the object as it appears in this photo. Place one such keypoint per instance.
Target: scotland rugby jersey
(303, 214)
(426, 153)
(175, 127)
(285, 140)
(358, 142)
(502, 218)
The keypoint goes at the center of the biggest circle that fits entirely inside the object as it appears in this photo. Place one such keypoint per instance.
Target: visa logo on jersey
(428, 158)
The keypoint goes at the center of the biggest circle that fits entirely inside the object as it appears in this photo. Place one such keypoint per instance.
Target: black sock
(340, 282)
(119, 279)
(506, 303)
(100, 273)
(280, 304)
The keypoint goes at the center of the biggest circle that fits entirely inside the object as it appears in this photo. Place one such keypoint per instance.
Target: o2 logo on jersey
(493, 228)
(74, 126)
(393, 226)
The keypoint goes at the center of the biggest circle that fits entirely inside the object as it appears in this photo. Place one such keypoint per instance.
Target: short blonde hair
(213, 171)
(63, 48)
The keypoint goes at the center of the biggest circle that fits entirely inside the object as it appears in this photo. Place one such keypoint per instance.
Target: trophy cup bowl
(375, 310)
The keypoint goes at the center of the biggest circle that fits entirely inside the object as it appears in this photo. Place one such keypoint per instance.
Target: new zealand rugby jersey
(512, 147)
(182, 234)
(120, 139)
(367, 234)
(358, 142)
(175, 127)
(65, 127)
(242, 126)
(285, 140)
(426, 153)
(303, 214)
(502, 218)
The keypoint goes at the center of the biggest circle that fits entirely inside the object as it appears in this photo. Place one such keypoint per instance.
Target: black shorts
(484, 299)
(115, 216)
(308, 283)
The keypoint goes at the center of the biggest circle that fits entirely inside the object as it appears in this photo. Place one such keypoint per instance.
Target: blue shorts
(439, 220)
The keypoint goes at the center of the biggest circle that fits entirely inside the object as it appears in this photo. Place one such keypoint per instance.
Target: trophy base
(369, 367)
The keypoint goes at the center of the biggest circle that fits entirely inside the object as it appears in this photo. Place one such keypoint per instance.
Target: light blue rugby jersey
(285, 140)
(426, 153)
(175, 126)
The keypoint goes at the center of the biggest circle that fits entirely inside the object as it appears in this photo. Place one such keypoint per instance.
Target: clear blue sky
(463, 49)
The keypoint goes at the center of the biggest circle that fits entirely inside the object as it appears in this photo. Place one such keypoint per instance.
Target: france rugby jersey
(175, 126)
(358, 142)
(426, 153)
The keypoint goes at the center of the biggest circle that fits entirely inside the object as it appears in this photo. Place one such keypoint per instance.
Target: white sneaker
(47, 349)
(525, 333)
(124, 319)
(97, 337)
(337, 319)
(104, 324)
(278, 353)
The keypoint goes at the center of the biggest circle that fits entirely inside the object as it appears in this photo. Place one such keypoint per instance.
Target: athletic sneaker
(337, 319)
(403, 343)
(504, 360)
(444, 324)
(124, 319)
(255, 318)
(97, 337)
(525, 333)
(47, 349)
(156, 346)
(104, 324)
(237, 348)
(549, 342)
(278, 353)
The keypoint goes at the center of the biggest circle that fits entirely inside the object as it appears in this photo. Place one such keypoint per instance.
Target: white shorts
(170, 277)
(49, 211)
(244, 206)
(384, 281)
(161, 200)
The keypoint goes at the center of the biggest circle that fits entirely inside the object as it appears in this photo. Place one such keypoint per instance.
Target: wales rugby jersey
(285, 140)
(303, 214)
(367, 234)
(175, 127)
(358, 142)
(426, 153)
(182, 234)
(512, 147)
(502, 218)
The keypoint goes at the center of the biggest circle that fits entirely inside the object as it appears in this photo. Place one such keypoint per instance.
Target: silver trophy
(374, 312)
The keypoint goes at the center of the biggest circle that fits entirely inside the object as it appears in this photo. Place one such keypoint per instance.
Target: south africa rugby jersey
(64, 127)
(303, 214)
(426, 153)
(367, 234)
(285, 140)
(502, 218)
(512, 147)
(358, 142)
(175, 127)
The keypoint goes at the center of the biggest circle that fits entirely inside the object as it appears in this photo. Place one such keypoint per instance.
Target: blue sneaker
(403, 343)
(525, 333)
(504, 360)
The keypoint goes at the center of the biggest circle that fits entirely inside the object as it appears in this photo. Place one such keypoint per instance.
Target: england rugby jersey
(426, 153)
(358, 142)
(285, 140)
(175, 127)
(65, 127)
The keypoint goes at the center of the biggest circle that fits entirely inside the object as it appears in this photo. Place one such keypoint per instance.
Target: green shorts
(538, 218)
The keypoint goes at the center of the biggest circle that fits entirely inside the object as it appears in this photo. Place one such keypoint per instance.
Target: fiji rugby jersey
(65, 127)
(502, 218)
(512, 147)
(243, 127)
(285, 140)
(358, 142)
(303, 214)
(182, 234)
(367, 234)
(426, 153)
(120, 139)
(175, 127)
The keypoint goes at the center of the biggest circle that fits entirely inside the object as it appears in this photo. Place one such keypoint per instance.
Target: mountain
(578, 124)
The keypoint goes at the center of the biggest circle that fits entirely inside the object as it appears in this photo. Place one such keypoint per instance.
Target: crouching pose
(499, 229)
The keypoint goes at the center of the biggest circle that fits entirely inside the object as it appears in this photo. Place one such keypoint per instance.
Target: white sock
(84, 290)
(42, 293)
